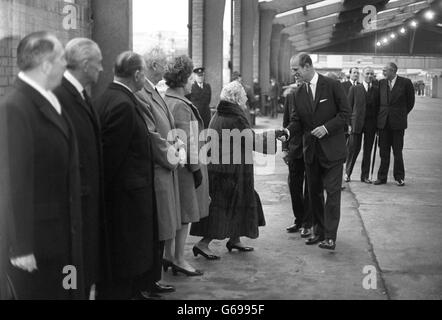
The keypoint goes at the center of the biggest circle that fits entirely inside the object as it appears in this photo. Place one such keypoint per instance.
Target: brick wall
(21, 17)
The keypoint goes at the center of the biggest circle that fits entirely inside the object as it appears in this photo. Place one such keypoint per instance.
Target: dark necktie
(310, 93)
(88, 101)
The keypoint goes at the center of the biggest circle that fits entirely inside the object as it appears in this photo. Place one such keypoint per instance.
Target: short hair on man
(78, 50)
(367, 68)
(34, 49)
(351, 69)
(127, 64)
(155, 55)
(304, 59)
(393, 66)
(236, 75)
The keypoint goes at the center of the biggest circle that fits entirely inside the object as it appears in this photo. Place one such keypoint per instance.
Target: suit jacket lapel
(45, 107)
(319, 87)
(79, 99)
(304, 93)
(393, 93)
(155, 96)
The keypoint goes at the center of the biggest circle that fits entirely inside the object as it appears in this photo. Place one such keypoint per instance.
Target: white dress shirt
(366, 85)
(77, 85)
(392, 82)
(314, 84)
(48, 95)
(151, 83)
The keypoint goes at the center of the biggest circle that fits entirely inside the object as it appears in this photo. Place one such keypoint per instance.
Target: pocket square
(323, 100)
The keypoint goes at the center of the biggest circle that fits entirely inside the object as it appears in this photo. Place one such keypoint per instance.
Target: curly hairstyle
(234, 92)
(178, 71)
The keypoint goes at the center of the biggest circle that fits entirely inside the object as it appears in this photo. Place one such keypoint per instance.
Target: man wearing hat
(201, 96)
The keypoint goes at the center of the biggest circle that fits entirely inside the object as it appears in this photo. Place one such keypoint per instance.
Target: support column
(248, 17)
(113, 31)
(274, 50)
(197, 30)
(256, 41)
(266, 23)
(213, 45)
(284, 59)
(237, 34)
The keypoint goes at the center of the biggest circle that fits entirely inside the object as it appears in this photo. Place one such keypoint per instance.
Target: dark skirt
(235, 210)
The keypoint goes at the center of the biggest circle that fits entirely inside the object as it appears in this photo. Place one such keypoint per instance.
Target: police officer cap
(199, 71)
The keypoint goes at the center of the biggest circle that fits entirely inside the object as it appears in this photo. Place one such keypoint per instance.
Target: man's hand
(25, 263)
(282, 135)
(350, 130)
(285, 157)
(319, 132)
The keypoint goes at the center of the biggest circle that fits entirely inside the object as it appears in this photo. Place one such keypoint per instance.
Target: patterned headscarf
(234, 92)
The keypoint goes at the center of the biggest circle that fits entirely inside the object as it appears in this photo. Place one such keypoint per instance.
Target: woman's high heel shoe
(197, 251)
(231, 246)
(166, 265)
(176, 270)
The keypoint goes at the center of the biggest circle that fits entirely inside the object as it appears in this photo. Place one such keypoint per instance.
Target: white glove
(182, 154)
(25, 263)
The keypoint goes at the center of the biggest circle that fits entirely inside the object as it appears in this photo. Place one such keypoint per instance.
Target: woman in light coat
(193, 177)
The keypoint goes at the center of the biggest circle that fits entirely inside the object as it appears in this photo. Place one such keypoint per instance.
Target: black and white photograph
(221, 154)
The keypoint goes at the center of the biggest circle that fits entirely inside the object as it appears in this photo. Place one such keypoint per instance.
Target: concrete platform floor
(395, 230)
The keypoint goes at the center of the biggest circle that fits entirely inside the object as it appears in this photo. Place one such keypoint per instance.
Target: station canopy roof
(338, 25)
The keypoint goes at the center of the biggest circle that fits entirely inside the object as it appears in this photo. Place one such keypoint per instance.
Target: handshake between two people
(283, 135)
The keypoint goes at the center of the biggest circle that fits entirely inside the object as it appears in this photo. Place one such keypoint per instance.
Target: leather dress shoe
(197, 251)
(144, 295)
(314, 240)
(400, 183)
(379, 182)
(328, 244)
(231, 246)
(167, 264)
(162, 288)
(293, 228)
(306, 233)
(176, 269)
(366, 180)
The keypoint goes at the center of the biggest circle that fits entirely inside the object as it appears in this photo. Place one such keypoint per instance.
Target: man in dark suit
(364, 100)
(83, 69)
(294, 158)
(129, 184)
(397, 99)
(354, 80)
(320, 113)
(44, 217)
(201, 96)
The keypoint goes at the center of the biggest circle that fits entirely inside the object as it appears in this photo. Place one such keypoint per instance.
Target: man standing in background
(201, 96)
(364, 101)
(397, 99)
(84, 58)
(354, 80)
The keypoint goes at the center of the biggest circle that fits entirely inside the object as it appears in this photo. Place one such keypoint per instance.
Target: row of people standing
(373, 108)
(106, 188)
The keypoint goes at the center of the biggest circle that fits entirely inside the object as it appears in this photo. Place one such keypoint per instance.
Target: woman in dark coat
(235, 209)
